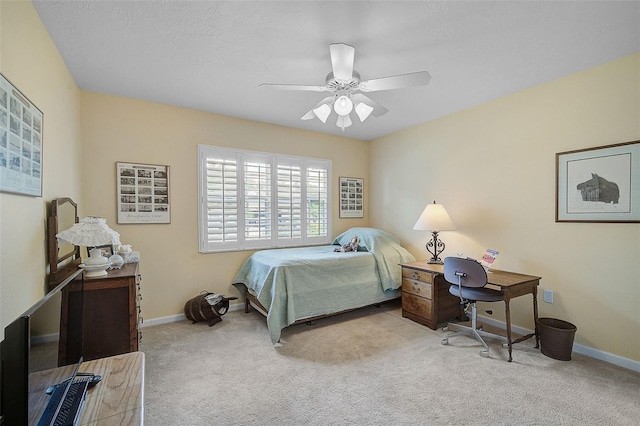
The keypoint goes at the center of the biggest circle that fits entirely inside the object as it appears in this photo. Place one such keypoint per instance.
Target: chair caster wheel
(484, 354)
(444, 342)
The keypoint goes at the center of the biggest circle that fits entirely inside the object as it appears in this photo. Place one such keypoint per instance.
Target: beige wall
(493, 167)
(30, 60)
(119, 129)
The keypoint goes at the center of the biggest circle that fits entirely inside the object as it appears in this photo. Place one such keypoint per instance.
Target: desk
(118, 399)
(511, 284)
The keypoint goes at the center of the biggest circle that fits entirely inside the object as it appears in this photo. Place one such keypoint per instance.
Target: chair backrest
(469, 272)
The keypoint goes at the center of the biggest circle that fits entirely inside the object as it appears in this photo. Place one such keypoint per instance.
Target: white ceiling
(212, 55)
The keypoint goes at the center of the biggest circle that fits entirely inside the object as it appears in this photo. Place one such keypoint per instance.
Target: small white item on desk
(132, 257)
(116, 261)
(488, 258)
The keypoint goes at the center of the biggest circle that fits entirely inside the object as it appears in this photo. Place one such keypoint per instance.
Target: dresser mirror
(64, 257)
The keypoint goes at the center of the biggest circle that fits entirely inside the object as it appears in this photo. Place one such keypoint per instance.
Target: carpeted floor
(369, 367)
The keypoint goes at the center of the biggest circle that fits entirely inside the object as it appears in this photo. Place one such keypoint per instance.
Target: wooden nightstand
(425, 296)
(110, 322)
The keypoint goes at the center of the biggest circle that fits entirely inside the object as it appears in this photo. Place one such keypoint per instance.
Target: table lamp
(91, 232)
(435, 218)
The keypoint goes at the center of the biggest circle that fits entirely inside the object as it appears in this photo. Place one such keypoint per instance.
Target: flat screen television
(31, 345)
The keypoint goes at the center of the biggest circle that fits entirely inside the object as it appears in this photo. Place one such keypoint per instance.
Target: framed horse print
(600, 184)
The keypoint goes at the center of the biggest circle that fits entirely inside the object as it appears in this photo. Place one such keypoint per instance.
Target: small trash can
(556, 338)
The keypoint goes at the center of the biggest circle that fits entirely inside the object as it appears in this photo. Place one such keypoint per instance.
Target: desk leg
(534, 293)
(507, 313)
(535, 316)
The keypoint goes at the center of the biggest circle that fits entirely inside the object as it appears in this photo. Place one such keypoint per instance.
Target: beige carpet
(370, 367)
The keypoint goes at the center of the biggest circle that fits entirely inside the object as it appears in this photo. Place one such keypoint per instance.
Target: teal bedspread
(298, 283)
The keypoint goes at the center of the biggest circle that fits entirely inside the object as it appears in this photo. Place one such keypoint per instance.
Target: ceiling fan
(347, 89)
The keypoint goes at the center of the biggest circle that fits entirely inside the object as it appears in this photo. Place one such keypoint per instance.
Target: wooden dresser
(425, 296)
(111, 315)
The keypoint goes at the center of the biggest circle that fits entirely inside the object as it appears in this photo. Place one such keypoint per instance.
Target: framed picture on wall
(351, 197)
(20, 142)
(600, 184)
(143, 193)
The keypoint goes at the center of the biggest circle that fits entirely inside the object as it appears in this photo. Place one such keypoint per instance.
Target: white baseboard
(180, 317)
(577, 348)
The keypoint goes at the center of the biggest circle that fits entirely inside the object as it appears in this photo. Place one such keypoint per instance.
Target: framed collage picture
(143, 193)
(20, 142)
(600, 184)
(351, 197)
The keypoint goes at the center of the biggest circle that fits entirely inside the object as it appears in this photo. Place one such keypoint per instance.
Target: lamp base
(95, 274)
(94, 271)
(435, 247)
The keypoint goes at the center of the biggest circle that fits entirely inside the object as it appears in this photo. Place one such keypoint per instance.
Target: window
(251, 200)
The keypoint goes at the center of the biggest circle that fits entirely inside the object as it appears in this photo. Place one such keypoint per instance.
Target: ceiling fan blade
(295, 87)
(378, 110)
(420, 78)
(342, 56)
(312, 113)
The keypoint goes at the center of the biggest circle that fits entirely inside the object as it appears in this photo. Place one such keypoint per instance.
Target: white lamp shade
(435, 218)
(343, 106)
(90, 232)
(363, 110)
(322, 112)
(343, 121)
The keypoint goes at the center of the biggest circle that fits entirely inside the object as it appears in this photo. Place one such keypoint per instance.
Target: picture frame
(107, 250)
(20, 142)
(143, 193)
(351, 197)
(600, 184)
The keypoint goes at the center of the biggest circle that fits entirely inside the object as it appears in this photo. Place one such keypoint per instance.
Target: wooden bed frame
(250, 299)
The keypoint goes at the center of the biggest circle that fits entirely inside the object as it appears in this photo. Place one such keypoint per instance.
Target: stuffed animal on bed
(351, 246)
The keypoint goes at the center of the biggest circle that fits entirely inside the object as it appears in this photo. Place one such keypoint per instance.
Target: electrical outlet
(548, 296)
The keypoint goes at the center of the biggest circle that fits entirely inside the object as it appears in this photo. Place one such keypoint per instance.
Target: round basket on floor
(556, 338)
(199, 309)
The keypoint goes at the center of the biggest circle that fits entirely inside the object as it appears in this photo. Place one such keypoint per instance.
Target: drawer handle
(415, 275)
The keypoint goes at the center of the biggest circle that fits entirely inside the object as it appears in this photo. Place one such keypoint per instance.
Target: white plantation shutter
(254, 200)
(220, 200)
(289, 207)
(257, 202)
(317, 202)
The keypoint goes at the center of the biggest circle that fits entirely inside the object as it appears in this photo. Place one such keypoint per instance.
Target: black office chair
(468, 280)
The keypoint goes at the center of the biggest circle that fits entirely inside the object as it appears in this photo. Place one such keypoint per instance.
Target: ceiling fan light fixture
(343, 122)
(363, 110)
(343, 106)
(322, 112)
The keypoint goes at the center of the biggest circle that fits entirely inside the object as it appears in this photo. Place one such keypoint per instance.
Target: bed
(294, 285)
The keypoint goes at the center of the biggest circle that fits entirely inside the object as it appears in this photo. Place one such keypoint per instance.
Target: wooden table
(117, 400)
(512, 285)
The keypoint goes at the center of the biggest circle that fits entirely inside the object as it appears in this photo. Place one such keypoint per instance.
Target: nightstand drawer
(413, 274)
(417, 305)
(418, 288)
